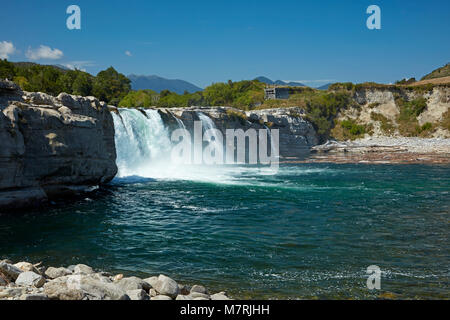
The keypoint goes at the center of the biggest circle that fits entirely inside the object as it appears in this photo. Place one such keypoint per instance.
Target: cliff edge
(52, 146)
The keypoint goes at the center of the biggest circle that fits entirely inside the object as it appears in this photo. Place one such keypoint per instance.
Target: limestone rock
(199, 295)
(82, 269)
(161, 297)
(60, 289)
(29, 278)
(199, 289)
(54, 273)
(118, 277)
(138, 294)
(184, 297)
(166, 286)
(36, 296)
(10, 271)
(26, 266)
(219, 296)
(52, 146)
(79, 287)
(151, 281)
(132, 283)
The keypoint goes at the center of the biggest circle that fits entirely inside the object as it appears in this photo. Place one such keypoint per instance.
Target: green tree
(7, 69)
(111, 86)
(82, 85)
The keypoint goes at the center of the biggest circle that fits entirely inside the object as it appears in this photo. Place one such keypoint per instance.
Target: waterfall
(141, 140)
(208, 124)
(144, 149)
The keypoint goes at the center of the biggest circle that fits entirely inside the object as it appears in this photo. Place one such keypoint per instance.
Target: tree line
(108, 85)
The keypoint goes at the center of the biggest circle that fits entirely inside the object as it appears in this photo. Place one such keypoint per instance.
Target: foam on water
(144, 150)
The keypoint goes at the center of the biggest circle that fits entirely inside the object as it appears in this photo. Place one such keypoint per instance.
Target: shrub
(237, 115)
(349, 129)
(385, 124)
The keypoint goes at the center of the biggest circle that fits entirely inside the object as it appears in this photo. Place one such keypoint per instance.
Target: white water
(144, 150)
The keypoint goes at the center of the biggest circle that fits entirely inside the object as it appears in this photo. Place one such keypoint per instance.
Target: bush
(349, 129)
(237, 115)
(385, 124)
(409, 111)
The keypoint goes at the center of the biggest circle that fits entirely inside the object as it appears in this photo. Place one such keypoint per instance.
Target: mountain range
(279, 82)
(158, 84)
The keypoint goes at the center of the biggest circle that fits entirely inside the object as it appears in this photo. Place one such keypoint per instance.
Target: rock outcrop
(81, 282)
(378, 109)
(52, 146)
(296, 134)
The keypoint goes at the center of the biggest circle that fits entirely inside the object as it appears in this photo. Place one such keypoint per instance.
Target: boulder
(82, 269)
(11, 293)
(59, 289)
(166, 286)
(151, 281)
(219, 296)
(138, 294)
(184, 289)
(152, 292)
(87, 287)
(10, 271)
(132, 283)
(26, 266)
(161, 297)
(199, 295)
(52, 147)
(117, 277)
(29, 278)
(34, 296)
(184, 297)
(54, 273)
(199, 289)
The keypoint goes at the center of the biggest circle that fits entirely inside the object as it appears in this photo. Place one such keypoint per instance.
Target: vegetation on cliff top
(322, 107)
(109, 85)
(439, 73)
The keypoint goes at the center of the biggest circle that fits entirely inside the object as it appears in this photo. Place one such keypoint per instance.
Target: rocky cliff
(296, 135)
(398, 111)
(52, 146)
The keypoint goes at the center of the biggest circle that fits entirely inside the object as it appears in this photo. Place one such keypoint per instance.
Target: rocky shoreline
(27, 281)
(382, 150)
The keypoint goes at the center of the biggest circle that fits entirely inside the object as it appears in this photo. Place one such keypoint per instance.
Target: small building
(276, 93)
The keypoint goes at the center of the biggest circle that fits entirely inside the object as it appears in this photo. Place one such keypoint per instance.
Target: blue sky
(215, 40)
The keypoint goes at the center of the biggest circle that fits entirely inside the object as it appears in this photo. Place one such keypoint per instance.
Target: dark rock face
(296, 135)
(52, 146)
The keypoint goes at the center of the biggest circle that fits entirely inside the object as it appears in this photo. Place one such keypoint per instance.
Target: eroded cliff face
(52, 146)
(296, 135)
(387, 102)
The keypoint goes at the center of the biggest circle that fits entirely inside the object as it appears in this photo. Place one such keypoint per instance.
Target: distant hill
(159, 84)
(324, 87)
(30, 64)
(279, 82)
(439, 73)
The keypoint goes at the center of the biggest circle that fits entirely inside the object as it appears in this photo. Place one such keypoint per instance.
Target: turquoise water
(309, 231)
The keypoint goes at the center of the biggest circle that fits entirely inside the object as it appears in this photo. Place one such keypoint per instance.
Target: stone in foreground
(30, 278)
(161, 297)
(166, 286)
(54, 273)
(10, 271)
(138, 294)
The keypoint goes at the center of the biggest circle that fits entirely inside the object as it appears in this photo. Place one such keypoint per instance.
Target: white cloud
(6, 49)
(128, 53)
(44, 52)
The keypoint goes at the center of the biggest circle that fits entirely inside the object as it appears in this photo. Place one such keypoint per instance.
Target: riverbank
(25, 281)
(382, 150)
